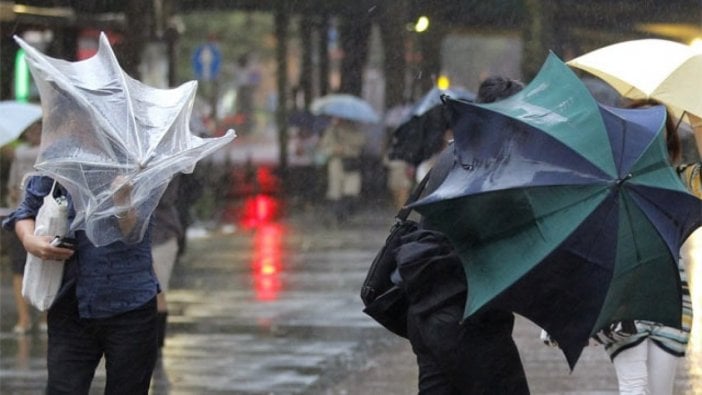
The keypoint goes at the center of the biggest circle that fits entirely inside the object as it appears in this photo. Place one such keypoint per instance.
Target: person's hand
(40, 247)
(122, 191)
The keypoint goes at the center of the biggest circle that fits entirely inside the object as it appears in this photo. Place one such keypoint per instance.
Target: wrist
(124, 213)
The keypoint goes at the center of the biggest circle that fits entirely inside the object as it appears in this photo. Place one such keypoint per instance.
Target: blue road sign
(206, 60)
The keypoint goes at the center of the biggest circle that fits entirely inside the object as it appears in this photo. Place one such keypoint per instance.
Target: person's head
(672, 139)
(32, 135)
(496, 87)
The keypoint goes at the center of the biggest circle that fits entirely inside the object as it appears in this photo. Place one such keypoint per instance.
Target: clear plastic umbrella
(103, 130)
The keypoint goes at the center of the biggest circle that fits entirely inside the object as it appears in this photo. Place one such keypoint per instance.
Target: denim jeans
(128, 342)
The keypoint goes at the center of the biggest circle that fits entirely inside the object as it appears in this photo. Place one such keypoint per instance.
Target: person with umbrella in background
(400, 174)
(24, 156)
(167, 231)
(476, 355)
(341, 144)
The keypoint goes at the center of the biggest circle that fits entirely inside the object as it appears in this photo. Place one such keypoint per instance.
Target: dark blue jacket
(108, 280)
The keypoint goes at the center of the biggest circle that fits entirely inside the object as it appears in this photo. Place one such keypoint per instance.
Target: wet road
(275, 310)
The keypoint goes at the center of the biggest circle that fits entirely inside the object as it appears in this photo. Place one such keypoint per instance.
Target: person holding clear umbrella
(106, 305)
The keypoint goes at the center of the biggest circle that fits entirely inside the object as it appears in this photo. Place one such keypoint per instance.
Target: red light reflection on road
(267, 261)
(259, 209)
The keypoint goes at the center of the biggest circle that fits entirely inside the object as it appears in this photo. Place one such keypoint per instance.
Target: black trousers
(478, 356)
(128, 342)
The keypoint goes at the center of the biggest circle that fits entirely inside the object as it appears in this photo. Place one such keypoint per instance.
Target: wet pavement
(275, 310)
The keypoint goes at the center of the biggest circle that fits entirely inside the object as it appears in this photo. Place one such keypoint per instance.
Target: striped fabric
(692, 178)
(621, 336)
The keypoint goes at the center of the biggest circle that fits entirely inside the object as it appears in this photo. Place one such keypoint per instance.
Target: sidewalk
(275, 310)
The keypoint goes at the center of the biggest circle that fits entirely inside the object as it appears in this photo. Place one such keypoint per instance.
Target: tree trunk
(305, 80)
(393, 33)
(539, 35)
(323, 53)
(430, 63)
(354, 33)
(282, 19)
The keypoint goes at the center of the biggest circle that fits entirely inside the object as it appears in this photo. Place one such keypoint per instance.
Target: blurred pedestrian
(400, 174)
(106, 306)
(341, 144)
(475, 355)
(439, 133)
(645, 354)
(24, 156)
(167, 231)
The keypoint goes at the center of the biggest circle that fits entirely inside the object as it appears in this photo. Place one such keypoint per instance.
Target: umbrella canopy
(15, 118)
(433, 98)
(666, 71)
(565, 211)
(421, 134)
(349, 107)
(103, 129)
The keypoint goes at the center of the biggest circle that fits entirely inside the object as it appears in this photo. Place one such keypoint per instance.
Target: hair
(672, 139)
(495, 88)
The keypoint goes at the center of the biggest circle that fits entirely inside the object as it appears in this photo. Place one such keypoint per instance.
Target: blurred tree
(391, 20)
(238, 33)
(354, 32)
(539, 35)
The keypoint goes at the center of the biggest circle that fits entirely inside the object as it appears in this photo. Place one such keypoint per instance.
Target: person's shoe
(20, 330)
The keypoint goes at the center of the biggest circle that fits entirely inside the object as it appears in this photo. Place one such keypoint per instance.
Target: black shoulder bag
(384, 301)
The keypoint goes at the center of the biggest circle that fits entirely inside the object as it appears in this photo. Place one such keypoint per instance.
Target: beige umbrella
(666, 71)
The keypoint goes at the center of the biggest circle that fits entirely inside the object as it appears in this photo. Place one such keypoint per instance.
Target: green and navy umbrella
(565, 211)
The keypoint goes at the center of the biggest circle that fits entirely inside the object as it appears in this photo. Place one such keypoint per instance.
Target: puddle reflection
(266, 264)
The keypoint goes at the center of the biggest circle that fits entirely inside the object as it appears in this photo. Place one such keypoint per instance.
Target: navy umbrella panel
(565, 211)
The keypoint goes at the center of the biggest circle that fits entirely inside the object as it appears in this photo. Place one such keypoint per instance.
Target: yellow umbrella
(667, 71)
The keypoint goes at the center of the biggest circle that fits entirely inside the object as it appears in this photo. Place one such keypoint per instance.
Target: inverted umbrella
(15, 118)
(420, 135)
(565, 211)
(342, 105)
(664, 70)
(103, 130)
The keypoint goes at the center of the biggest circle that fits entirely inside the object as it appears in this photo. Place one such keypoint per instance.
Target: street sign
(206, 60)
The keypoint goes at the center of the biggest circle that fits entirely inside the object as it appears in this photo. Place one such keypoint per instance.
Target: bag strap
(405, 211)
(53, 187)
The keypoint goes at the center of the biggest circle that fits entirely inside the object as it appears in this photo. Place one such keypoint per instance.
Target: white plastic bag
(42, 279)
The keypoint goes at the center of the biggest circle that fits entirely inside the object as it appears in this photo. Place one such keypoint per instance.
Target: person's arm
(122, 197)
(39, 246)
(696, 123)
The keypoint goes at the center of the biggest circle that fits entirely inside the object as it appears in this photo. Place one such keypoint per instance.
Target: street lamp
(422, 24)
